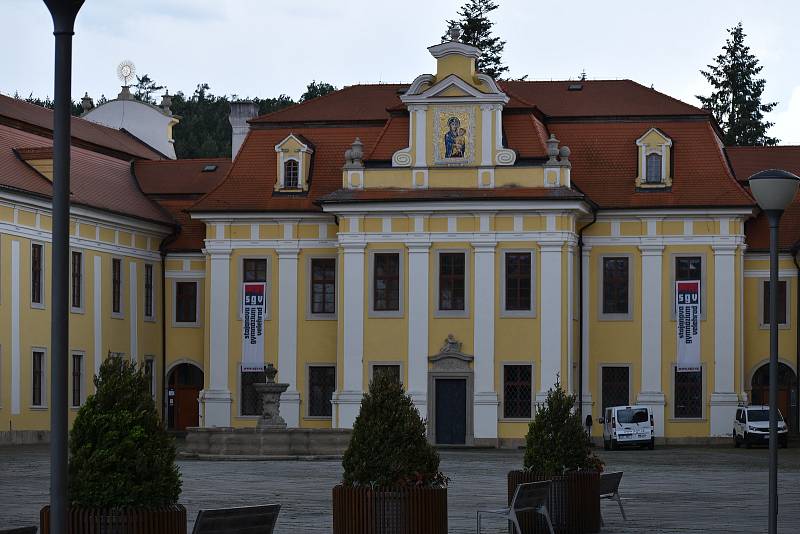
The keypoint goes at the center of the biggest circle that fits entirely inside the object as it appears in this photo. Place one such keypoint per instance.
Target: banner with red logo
(687, 314)
(254, 294)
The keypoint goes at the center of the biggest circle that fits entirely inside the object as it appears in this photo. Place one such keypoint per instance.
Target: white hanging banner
(687, 313)
(254, 294)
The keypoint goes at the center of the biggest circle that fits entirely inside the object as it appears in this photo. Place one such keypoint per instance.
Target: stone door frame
(451, 363)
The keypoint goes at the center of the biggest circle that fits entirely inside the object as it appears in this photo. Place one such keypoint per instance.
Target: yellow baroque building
(480, 240)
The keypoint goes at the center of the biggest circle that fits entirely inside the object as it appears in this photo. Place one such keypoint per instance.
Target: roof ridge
(300, 104)
(737, 147)
(379, 138)
(703, 111)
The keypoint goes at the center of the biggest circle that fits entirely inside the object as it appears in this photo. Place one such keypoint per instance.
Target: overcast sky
(265, 47)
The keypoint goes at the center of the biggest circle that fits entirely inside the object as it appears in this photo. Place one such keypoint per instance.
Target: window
(653, 175)
(77, 280)
(291, 174)
(150, 373)
(77, 379)
(37, 378)
(185, 302)
(393, 370)
(386, 282)
(116, 285)
(452, 276)
(616, 286)
(321, 384)
(255, 270)
(615, 386)
(518, 291)
(517, 391)
(781, 302)
(688, 395)
(37, 273)
(323, 286)
(250, 401)
(689, 268)
(148, 291)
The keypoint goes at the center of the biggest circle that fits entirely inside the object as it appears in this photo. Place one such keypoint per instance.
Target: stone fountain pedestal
(270, 439)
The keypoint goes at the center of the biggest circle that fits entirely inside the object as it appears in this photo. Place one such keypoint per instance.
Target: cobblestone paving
(669, 490)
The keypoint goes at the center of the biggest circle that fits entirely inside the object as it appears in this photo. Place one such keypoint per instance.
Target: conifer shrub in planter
(557, 448)
(392, 483)
(122, 473)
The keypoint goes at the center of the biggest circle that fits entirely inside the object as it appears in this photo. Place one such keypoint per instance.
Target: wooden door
(186, 407)
(451, 411)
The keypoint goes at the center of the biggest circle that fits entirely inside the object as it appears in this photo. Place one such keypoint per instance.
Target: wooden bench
(609, 489)
(528, 496)
(244, 520)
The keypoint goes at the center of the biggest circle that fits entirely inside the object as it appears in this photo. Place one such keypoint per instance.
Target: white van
(628, 425)
(751, 425)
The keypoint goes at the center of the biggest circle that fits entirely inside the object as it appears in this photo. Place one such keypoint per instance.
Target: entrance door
(185, 382)
(186, 408)
(451, 411)
(787, 403)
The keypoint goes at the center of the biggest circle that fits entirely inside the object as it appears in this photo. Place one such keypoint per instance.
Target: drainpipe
(162, 250)
(580, 314)
(795, 250)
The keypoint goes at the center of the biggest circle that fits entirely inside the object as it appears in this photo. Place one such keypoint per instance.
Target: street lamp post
(63, 13)
(774, 191)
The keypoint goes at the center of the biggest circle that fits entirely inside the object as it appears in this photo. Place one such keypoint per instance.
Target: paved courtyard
(668, 490)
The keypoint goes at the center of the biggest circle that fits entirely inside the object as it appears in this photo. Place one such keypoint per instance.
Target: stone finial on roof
(125, 94)
(563, 155)
(354, 155)
(166, 102)
(552, 149)
(454, 32)
(86, 102)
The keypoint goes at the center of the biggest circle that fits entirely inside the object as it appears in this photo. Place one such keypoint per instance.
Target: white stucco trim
(134, 314)
(551, 318)
(97, 310)
(15, 333)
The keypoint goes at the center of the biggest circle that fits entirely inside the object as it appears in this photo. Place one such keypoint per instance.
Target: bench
(244, 520)
(609, 489)
(19, 530)
(528, 496)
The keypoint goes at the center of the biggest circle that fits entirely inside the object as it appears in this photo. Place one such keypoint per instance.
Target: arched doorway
(787, 393)
(185, 381)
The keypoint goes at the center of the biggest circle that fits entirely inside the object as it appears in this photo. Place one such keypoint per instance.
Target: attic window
(655, 160)
(653, 169)
(575, 87)
(209, 168)
(291, 174)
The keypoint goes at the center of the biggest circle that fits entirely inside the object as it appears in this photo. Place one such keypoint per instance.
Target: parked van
(628, 425)
(751, 425)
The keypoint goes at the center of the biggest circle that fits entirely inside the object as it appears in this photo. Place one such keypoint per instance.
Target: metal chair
(529, 496)
(246, 519)
(609, 489)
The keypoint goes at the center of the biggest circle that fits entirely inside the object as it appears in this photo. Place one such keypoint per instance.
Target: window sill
(150, 319)
(451, 314)
(611, 317)
(38, 408)
(117, 316)
(318, 418)
(518, 314)
(687, 419)
(781, 326)
(321, 317)
(35, 306)
(79, 311)
(176, 324)
(248, 417)
(385, 314)
(515, 419)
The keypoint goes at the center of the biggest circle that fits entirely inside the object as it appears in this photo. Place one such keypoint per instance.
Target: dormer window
(654, 161)
(293, 164)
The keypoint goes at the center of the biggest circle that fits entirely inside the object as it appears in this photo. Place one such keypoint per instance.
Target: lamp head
(774, 189)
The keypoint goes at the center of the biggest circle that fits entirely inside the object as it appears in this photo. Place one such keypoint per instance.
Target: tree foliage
(119, 452)
(316, 89)
(556, 441)
(389, 447)
(735, 99)
(476, 30)
(146, 88)
(76, 109)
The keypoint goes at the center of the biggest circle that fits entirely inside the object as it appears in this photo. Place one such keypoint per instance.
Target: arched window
(653, 175)
(291, 174)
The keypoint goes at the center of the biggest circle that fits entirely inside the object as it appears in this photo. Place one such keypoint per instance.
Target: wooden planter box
(167, 520)
(411, 510)
(574, 503)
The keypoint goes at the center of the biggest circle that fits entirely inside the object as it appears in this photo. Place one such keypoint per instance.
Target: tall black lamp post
(63, 13)
(774, 191)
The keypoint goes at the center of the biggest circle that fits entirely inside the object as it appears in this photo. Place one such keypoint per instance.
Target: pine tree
(316, 89)
(735, 99)
(145, 88)
(476, 30)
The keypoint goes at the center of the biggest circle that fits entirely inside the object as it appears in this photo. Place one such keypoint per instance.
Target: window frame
(400, 311)
(379, 363)
(43, 379)
(502, 407)
(152, 292)
(239, 392)
(81, 281)
(284, 166)
(310, 315)
(600, 368)
(153, 381)
(121, 313)
(516, 313)
(82, 376)
(660, 157)
(307, 411)
(703, 281)
(41, 304)
(198, 303)
(762, 293)
(267, 295)
(601, 315)
(703, 401)
(465, 313)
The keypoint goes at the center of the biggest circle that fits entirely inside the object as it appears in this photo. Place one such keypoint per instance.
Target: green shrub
(556, 441)
(389, 447)
(119, 452)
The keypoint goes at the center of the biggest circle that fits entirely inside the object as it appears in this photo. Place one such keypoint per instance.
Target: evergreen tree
(735, 99)
(315, 89)
(146, 87)
(203, 130)
(76, 109)
(476, 30)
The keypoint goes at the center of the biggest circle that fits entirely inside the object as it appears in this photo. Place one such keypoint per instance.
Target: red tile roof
(180, 177)
(36, 119)
(526, 134)
(97, 180)
(394, 137)
(192, 232)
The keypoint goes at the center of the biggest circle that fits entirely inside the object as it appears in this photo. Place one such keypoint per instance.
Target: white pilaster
(486, 134)
(287, 334)
(420, 123)
(586, 406)
(551, 318)
(15, 349)
(418, 261)
(485, 403)
(570, 283)
(348, 399)
(134, 315)
(651, 394)
(97, 297)
(724, 399)
(217, 398)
